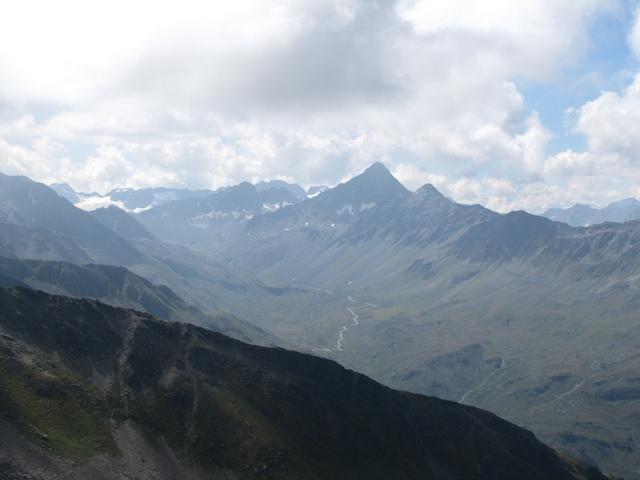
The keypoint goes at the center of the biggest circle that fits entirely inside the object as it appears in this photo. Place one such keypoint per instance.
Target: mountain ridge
(223, 407)
(119, 287)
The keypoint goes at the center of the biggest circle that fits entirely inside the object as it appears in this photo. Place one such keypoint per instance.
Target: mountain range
(92, 391)
(584, 215)
(218, 214)
(418, 292)
(38, 224)
(531, 319)
(139, 200)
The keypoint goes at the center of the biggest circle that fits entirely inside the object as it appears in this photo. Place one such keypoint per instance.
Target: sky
(514, 105)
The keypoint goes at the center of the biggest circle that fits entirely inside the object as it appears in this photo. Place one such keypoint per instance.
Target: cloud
(611, 124)
(532, 38)
(568, 163)
(413, 178)
(203, 95)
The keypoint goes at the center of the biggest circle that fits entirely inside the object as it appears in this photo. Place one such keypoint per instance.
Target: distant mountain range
(92, 391)
(139, 200)
(218, 214)
(36, 223)
(584, 215)
(532, 319)
(128, 199)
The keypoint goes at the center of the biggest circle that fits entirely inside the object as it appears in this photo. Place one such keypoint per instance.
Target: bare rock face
(92, 391)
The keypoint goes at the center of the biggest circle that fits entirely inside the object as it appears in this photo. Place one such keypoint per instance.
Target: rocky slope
(88, 390)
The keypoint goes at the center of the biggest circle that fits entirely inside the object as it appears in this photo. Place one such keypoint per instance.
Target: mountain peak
(378, 175)
(430, 196)
(374, 186)
(626, 202)
(377, 167)
(66, 191)
(428, 190)
(296, 190)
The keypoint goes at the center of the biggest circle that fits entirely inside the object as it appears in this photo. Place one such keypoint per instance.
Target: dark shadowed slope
(103, 387)
(34, 242)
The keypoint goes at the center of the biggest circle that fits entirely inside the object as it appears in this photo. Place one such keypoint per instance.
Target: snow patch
(94, 202)
(272, 207)
(220, 215)
(345, 209)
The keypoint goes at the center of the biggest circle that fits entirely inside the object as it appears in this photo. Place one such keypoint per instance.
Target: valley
(527, 318)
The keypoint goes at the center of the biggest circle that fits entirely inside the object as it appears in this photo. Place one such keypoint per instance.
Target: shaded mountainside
(119, 287)
(196, 404)
(33, 242)
(121, 222)
(34, 205)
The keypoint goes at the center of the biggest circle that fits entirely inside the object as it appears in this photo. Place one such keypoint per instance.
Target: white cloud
(568, 163)
(611, 124)
(205, 94)
(533, 38)
(413, 178)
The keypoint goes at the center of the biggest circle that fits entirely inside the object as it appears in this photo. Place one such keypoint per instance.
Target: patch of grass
(66, 417)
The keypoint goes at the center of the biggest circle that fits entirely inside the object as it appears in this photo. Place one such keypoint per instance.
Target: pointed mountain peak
(429, 191)
(372, 187)
(65, 190)
(378, 175)
(377, 168)
(430, 195)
